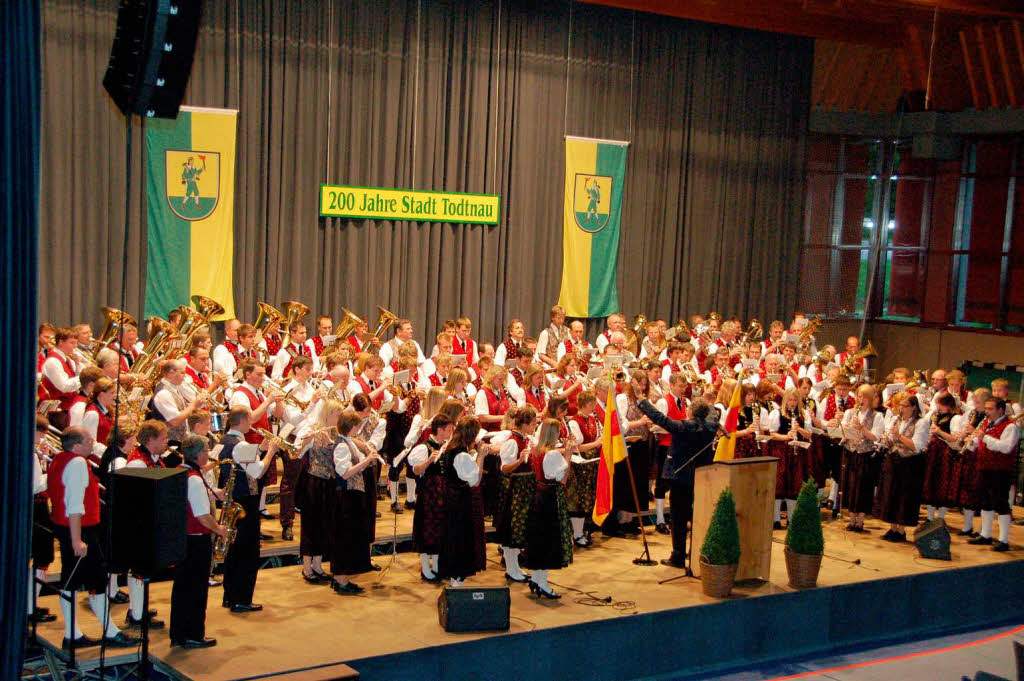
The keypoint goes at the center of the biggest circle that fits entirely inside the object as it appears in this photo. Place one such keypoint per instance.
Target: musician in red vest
(74, 492)
(324, 328)
(370, 383)
(191, 588)
(615, 322)
(507, 352)
(997, 471)
(673, 405)
(462, 344)
(249, 394)
(59, 379)
(581, 490)
(297, 346)
(830, 412)
(47, 332)
(361, 340)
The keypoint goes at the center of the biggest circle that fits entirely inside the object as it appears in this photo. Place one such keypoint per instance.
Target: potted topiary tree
(720, 553)
(804, 542)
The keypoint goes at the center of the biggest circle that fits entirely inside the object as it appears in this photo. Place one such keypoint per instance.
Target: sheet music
(459, 361)
(400, 378)
(245, 452)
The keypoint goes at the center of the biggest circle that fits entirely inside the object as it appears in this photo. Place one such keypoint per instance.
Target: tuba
(633, 334)
(850, 363)
(162, 332)
(114, 320)
(813, 324)
(266, 316)
(192, 322)
(350, 321)
(385, 319)
(293, 312)
(754, 332)
(208, 307)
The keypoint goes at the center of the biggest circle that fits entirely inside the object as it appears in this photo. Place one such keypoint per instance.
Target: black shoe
(887, 536)
(322, 577)
(396, 509)
(509, 578)
(835, 513)
(190, 643)
(777, 525)
(410, 505)
(671, 563)
(347, 589)
(826, 503)
(265, 537)
(980, 541)
(632, 529)
(133, 623)
(80, 642)
(614, 532)
(374, 566)
(580, 542)
(246, 607)
(267, 515)
(1000, 546)
(286, 534)
(966, 533)
(662, 528)
(378, 515)
(40, 617)
(542, 592)
(225, 603)
(310, 579)
(122, 640)
(120, 598)
(898, 538)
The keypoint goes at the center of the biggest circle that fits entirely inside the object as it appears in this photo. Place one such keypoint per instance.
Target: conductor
(691, 447)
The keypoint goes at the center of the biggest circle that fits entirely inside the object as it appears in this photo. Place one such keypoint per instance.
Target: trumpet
(288, 448)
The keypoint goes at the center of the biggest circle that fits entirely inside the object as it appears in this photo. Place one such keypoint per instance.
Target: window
(911, 239)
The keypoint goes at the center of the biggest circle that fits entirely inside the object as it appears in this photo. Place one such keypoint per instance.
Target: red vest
(497, 405)
(273, 344)
(105, 425)
(50, 390)
(318, 345)
(989, 460)
(588, 427)
(139, 455)
(435, 380)
(570, 346)
(843, 356)
(354, 342)
(521, 443)
(55, 488)
(293, 353)
(197, 378)
(511, 350)
(376, 402)
(517, 376)
(193, 526)
(674, 413)
(460, 348)
(832, 406)
(252, 436)
(234, 349)
(539, 403)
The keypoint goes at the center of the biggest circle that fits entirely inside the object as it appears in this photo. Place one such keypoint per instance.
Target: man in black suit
(242, 562)
(691, 439)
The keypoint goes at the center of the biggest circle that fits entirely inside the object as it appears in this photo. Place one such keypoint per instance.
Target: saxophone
(230, 513)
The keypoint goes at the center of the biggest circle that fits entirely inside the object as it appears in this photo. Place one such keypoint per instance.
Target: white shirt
(344, 457)
(509, 452)
(554, 465)
(284, 357)
(91, 422)
(466, 468)
(224, 361)
(501, 357)
(577, 433)
(621, 405)
(38, 479)
(775, 421)
(377, 437)
(303, 393)
(387, 353)
(198, 496)
(139, 463)
(75, 478)
(54, 370)
(855, 415)
(76, 414)
(240, 399)
(920, 435)
(601, 342)
(169, 401)
(419, 454)
(480, 403)
(254, 469)
(415, 430)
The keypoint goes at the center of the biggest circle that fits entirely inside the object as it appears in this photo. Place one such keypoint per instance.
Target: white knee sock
(778, 510)
(968, 520)
(136, 594)
(112, 589)
(263, 500)
(942, 512)
(433, 562)
(68, 600)
(425, 565)
(659, 509)
(410, 490)
(931, 512)
(987, 517)
(1004, 528)
(577, 527)
(833, 492)
(790, 508)
(100, 604)
(394, 492)
(512, 563)
(540, 578)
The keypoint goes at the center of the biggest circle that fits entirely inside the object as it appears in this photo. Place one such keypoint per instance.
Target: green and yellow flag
(595, 173)
(190, 208)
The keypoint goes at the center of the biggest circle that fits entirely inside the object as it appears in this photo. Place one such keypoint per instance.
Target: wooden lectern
(753, 486)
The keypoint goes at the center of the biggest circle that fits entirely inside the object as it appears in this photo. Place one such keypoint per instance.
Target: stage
(876, 590)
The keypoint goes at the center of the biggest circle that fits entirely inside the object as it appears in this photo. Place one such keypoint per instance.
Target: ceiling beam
(986, 65)
(1011, 90)
(975, 95)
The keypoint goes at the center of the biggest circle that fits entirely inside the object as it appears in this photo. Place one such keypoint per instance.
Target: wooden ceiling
(944, 55)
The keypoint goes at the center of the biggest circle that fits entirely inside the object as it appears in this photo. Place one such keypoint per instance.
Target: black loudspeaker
(151, 58)
(932, 540)
(148, 518)
(468, 609)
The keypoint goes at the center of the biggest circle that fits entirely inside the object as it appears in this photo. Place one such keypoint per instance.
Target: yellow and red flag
(613, 450)
(726, 450)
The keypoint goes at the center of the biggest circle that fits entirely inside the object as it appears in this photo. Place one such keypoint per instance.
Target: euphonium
(632, 334)
(208, 307)
(813, 324)
(293, 312)
(754, 332)
(349, 322)
(850, 363)
(230, 513)
(267, 315)
(161, 332)
(114, 320)
(385, 319)
(192, 322)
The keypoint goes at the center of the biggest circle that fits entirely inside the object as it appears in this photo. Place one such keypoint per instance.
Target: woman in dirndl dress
(748, 423)
(350, 552)
(864, 426)
(581, 489)
(789, 425)
(463, 543)
(816, 461)
(970, 501)
(942, 471)
(429, 519)
(902, 479)
(549, 539)
(517, 486)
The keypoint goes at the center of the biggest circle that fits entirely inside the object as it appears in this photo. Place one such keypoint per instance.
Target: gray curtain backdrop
(468, 96)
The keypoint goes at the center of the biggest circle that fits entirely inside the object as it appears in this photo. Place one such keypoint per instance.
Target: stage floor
(304, 626)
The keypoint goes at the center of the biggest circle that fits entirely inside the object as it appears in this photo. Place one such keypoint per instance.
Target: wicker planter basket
(717, 580)
(802, 569)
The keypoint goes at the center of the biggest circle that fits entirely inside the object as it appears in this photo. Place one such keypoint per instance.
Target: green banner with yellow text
(595, 173)
(190, 209)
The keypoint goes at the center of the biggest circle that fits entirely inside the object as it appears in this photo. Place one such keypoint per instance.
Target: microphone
(726, 434)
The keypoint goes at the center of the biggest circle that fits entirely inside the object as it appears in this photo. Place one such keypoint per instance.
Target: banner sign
(373, 203)
(190, 209)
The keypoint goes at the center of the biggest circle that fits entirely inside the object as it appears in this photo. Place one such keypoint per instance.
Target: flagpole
(645, 557)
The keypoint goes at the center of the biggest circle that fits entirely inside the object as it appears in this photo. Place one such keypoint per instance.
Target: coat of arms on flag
(592, 201)
(193, 182)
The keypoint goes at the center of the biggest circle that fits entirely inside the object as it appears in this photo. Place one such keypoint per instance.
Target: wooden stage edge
(869, 590)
